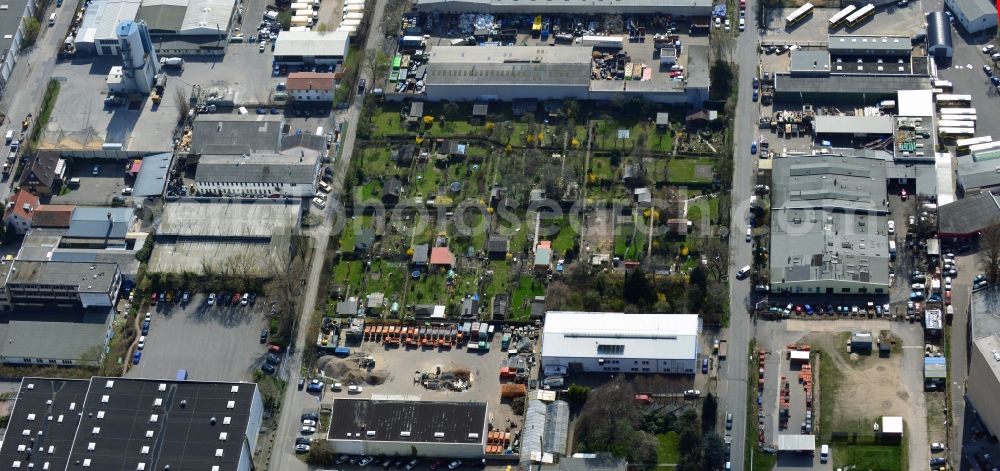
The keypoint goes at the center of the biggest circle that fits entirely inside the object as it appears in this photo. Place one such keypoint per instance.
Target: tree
(517, 405)
(699, 276)
(638, 289)
(558, 296)
(183, 103)
(576, 395)
(709, 409)
(713, 452)
(717, 254)
(31, 29)
(375, 62)
(715, 304)
(989, 253)
(285, 19)
(321, 454)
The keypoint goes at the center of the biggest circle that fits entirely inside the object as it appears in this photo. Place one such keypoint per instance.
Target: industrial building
(310, 86)
(616, 342)
(876, 46)
(97, 33)
(546, 430)
(290, 174)
(117, 423)
(977, 176)
(569, 7)
(251, 237)
(829, 225)
(983, 382)
(387, 427)
(967, 217)
(235, 134)
(939, 42)
(974, 15)
(857, 126)
(189, 27)
(862, 89)
(12, 36)
(313, 47)
(65, 284)
(508, 73)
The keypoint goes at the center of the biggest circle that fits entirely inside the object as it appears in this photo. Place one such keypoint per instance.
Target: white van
(10, 137)
(52, 19)
(824, 453)
(743, 272)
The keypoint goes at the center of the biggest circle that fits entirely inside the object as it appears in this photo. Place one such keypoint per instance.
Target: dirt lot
(395, 367)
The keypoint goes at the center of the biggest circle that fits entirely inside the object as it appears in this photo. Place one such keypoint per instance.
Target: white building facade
(614, 342)
(984, 381)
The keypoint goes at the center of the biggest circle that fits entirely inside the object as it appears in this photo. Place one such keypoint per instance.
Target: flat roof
(851, 43)
(697, 71)
(152, 177)
(120, 423)
(89, 222)
(56, 340)
(798, 355)
(408, 421)
(102, 17)
(828, 220)
(300, 168)
(810, 61)
(788, 442)
(935, 367)
(236, 133)
(312, 44)
(569, 6)
(234, 219)
(969, 215)
(984, 308)
(652, 336)
(522, 65)
(187, 17)
(826, 124)
(848, 84)
(30, 414)
(86, 277)
(976, 9)
(892, 425)
(915, 103)
(974, 174)
(987, 346)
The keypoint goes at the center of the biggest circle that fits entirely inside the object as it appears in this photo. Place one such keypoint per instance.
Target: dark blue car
(145, 327)
(136, 357)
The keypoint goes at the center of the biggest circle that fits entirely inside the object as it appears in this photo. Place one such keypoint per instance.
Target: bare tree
(717, 254)
(182, 102)
(989, 253)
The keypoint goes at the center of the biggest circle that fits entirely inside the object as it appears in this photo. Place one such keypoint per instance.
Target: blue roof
(152, 178)
(934, 361)
(100, 223)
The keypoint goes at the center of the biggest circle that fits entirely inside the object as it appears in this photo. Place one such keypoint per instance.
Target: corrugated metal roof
(187, 16)
(533, 430)
(100, 223)
(102, 17)
(152, 177)
(572, 334)
(312, 44)
(825, 124)
(938, 32)
(556, 434)
(796, 442)
(258, 168)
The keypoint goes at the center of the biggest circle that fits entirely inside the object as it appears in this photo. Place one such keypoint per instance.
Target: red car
(675, 73)
(236, 299)
(274, 348)
(902, 195)
(152, 299)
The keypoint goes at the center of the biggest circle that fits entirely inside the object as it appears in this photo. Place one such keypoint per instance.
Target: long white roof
(644, 336)
(312, 44)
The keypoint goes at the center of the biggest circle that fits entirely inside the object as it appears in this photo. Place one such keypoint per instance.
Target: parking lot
(94, 190)
(244, 70)
(887, 21)
(217, 343)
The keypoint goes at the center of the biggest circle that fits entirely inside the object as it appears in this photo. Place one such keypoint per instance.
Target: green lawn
(527, 288)
(695, 209)
(348, 273)
(630, 246)
(499, 284)
(829, 383)
(869, 457)
(390, 279)
(669, 450)
(564, 239)
(600, 168)
(683, 170)
(375, 162)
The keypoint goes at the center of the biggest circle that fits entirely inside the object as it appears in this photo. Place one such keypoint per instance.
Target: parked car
(142, 342)
(986, 69)
(152, 299)
(301, 448)
(211, 299)
(903, 194)
(692, 393)
(892, 227)
(704, 365)
(303, 440)
(937, 447)
(263, 335)
(938, 461)
(97, 168)
(245, 299)
(306, 430)
(315, 386)
(310, 416)
(729, 421)
(302, 383)
(309, 422)
(753, 147)
(268, 368)
(145, 328)
(455, 464)
(136, 357)
(364, 461)
(743, 272)
(186, 297)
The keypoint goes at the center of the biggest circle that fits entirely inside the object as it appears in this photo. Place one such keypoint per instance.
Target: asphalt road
(26, 85)
(282, 455)
(733, 385)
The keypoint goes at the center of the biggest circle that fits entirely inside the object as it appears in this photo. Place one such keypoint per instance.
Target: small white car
(307, 429)
(354, 389)
(718, 24)
(892, 227)
(309, 423)
(142, 342)
(743, 23)
(743, 272)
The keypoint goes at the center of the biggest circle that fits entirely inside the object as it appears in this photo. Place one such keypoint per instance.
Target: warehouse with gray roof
(590, 7)
(859, 45)
(291, 174)
(117, 423)
(974, 15)
(388, 427)
(248, 236)
(829, 226)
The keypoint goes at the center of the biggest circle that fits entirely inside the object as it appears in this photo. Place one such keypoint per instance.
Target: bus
(963, 111)
(962, 145)
(943, 84)
(957, 117)
(956, 124)
(984, 147)
(841, 16)
(954, 100)
(861, 15)
(798, 15)
(955, 133)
